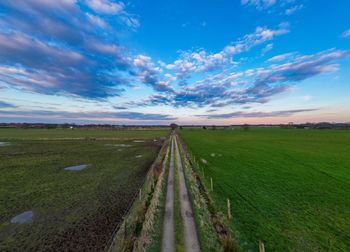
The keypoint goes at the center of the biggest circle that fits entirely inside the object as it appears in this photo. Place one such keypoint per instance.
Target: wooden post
(228, 209)
(261, 246)
(125, 226)
(140, 193)
(211, 184)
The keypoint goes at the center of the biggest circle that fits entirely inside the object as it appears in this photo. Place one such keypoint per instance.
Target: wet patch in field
(76, 167)
(5, 143)
(138, 141)
(22, 218)
(119, 145)
(138, 156)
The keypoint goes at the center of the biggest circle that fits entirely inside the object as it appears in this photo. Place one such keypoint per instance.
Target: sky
(190, 62)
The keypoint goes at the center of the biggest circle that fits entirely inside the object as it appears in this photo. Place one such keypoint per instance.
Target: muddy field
(44, 205)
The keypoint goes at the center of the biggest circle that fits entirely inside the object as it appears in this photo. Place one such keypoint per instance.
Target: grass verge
(134, 233)
(214, 234)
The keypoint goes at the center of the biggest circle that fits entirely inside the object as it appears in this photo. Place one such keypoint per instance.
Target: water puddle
(4, 144)
(119, 145)
(138, 141)
(76, 167)
(24, 217)
(138, 156)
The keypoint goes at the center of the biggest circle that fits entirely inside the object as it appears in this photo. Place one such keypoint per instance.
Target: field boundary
(218, 220)
(128, 232)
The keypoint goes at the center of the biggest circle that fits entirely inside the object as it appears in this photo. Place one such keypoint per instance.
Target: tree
(214, 127)
(204, 127)
(180, 127)
(173, 126)
(245, 127)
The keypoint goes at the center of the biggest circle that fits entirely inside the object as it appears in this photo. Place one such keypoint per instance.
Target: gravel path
(168, 238)
(189, 225)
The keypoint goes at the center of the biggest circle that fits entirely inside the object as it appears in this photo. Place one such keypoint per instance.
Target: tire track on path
(189, 225)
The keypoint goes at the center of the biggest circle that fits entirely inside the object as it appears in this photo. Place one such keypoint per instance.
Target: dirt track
(168, 241)
(189, 231)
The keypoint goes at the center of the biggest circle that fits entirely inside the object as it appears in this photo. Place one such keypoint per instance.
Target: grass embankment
(288, 188)
(206, 230)
(72, 209)
(137, 232)
(156, 227)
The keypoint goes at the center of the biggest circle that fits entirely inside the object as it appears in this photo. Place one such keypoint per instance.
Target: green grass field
(72, 209)
(289, 188)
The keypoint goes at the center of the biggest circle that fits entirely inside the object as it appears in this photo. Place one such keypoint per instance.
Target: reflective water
(24, 217)
(76, 167)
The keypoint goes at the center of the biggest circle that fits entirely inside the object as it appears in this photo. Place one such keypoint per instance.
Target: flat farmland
(68, 189)
(289, 188)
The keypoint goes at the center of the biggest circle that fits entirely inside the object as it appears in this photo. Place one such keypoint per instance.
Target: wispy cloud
(345, 34)
(293, 9)
(281, 57)
(287, 6)
(201, 61)
(253, 86)
(105, 6)
(6, 105)
(259, 4)
(93, 115)
(302, 68)
(242, 114)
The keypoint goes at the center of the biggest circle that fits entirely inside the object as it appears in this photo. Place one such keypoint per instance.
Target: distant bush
(245, 127)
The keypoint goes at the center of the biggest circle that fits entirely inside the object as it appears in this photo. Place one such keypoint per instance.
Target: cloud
(6, 105)
(291, 10)
(105, 6)
(280, 57)
(54, 48)
(287, 7)
(198, 61)
(130, 21)
(302, 68)
(259, 4)
(345, 34)
(240, 114)
(258, 85)
(267, 48)
(95, 20)
(93, 115)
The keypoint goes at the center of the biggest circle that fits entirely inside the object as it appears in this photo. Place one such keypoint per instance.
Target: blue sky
(190, 62)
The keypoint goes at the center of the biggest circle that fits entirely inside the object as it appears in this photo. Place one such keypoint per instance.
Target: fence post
(140, 193)
(228, 209)
(261, 246)
(211, 184)
(125, 226)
